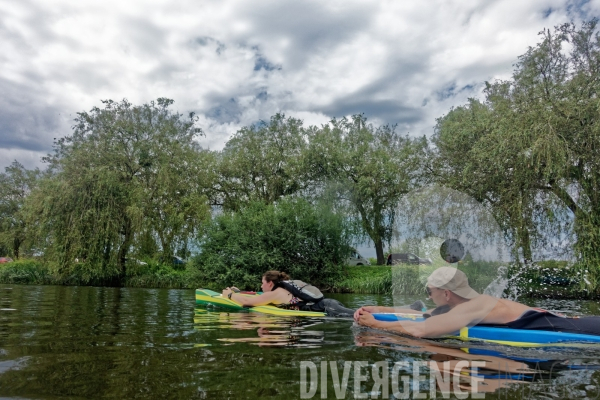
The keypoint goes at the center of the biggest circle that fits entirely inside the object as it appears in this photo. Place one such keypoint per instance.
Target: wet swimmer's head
(271, 279)
(451, 279)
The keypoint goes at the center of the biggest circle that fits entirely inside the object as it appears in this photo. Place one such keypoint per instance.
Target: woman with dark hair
(279, 290)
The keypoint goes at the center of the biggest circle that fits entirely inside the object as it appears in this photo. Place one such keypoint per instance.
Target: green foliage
(530, 150)
(159, 276)
(365, 279)
(36, 272)
(371, 167)
(127, 176)
(15, 186)
(307, 242)
(26, 272)
(262, 162)
(553, 279)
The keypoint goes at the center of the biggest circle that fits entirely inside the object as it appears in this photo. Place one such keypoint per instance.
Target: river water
(86, 342)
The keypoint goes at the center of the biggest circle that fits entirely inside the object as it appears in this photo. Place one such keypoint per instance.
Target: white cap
(452, 279)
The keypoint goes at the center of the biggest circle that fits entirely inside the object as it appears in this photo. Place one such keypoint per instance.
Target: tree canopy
(371, 168)
(262, 162)
(16, 184)
(531, 147)
(126, 175)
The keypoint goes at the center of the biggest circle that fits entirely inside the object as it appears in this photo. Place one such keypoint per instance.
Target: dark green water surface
(86, 342)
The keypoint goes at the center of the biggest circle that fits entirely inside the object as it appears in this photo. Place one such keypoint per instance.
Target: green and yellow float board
(208, 297)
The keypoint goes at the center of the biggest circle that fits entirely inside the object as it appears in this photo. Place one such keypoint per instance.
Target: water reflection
(86, 342)
(497, 373)
(503, 367)
(271, 330)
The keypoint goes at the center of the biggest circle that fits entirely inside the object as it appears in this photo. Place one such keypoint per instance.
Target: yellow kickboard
(206, 297)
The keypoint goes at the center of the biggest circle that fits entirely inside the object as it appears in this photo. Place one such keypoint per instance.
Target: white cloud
(235, 62)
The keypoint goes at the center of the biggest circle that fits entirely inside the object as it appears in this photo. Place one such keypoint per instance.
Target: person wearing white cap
(452, 279)
(458, 306)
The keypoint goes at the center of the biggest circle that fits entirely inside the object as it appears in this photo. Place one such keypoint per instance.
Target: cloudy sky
(236, 62)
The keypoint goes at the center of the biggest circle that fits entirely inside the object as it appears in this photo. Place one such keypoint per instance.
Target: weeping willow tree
(477, 154)
(369, 168)
(531, 147)
(262, 162)
(127, 175)
(16, 183)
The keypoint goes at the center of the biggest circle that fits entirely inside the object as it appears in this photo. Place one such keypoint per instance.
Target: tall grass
(157, 275)
(26, 272)
(408, 279)
(35, 272)
(365, 279)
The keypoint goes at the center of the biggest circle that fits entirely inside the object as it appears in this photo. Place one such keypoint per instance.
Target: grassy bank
(361, 279)
(546, 280)
(365, 279)
(29, 272)
(34, 272)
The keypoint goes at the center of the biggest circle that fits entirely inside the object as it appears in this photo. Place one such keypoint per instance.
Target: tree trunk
(167, 254)
(525, 245)
(122, 255)
(16, 247)
(379, 252)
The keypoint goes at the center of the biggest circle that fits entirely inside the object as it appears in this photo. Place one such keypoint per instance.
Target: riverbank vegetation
(129, 188)
(306, 241)
(364, 279)
(544, 280)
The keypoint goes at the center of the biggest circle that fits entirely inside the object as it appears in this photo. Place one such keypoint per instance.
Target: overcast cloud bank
(237, 62)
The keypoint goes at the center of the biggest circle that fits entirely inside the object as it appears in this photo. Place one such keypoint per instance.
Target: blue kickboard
(507, 334)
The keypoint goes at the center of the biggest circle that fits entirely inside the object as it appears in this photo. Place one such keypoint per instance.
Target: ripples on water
(82, 342)
(270, 330)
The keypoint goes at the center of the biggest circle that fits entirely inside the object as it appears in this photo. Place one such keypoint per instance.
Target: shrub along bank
(306, 241)
(376, 280)
(36, 272)
(547, 280)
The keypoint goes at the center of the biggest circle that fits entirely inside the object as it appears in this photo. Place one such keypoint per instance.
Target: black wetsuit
(331, 307)
(334, 308)
(546, 321)
(543, 321)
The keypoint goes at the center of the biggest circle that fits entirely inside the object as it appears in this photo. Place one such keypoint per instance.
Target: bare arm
(274, 297)
(406, 327)
(436, 326)
(382, 309)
